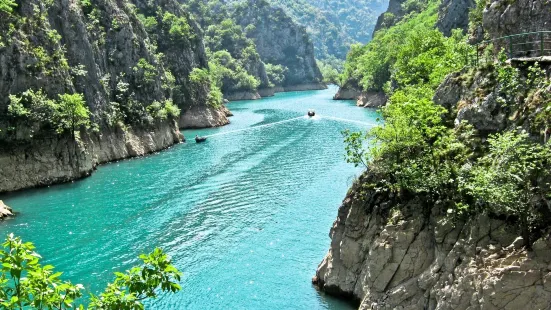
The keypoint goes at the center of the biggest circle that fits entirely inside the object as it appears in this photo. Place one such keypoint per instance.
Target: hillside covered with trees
(245, 59)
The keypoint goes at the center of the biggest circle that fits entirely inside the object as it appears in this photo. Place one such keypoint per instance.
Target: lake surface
(245, 216)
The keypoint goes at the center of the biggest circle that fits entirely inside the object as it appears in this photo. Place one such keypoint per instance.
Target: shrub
(164, 110)
(146, 71)
(25, 283)
(72, 113)
(276, 74)
(67, 114)
(511, 178)
(204, 77)
(7, 6)
(178, 27)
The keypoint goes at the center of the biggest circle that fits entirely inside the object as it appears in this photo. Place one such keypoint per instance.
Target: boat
(200, 139)
(311, 113)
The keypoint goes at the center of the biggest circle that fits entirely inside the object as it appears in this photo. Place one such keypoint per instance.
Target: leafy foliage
(163, 110)
(7, 6)
(411, 52)
(229, 74)
(72, 113)
(203, 77)
(511, 179)
(276, 74)
(178, 26)
(25, 283)
(67, 114)
(131, 288)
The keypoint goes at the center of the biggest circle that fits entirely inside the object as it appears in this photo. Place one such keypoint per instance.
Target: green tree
(25, 283)
(7, 6)
(276, 74)
(511, 179)
(72, 113)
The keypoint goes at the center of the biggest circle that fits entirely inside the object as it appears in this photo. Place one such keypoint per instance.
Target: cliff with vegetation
(86, 82)
(453, 210)
(334, 25)
(364, 79)
(254, 49)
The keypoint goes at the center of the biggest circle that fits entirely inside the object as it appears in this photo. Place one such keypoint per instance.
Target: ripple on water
(245, 215)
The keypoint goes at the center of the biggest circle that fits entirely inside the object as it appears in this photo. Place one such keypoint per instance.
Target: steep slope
(132, 77)
(280, 41)
(247, 62)
(463, 221)
(366, 84)
(385, 254)
(335, 25)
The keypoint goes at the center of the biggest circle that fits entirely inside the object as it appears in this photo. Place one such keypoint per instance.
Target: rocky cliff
(280, 41)
(393, 253)
(131, 62)
(454, 14)
(398, 250)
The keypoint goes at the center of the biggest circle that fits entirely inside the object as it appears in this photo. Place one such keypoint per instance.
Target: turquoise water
(245, 216)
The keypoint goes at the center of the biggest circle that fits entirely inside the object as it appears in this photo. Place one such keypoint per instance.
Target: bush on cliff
(25, 283)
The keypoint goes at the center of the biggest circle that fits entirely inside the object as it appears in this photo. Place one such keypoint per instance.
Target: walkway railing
(522, 45)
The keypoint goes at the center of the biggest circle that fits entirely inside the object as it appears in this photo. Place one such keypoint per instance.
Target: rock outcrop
(454, 14)
(502, 17)
(345, 93)
(202, 118)
(372, 99)
(364, 99)
(5, 211)
(393, 14)
(391, 254)
(243, 95)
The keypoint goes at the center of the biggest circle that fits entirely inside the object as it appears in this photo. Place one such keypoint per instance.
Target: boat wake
(254, 127)
(316, 117)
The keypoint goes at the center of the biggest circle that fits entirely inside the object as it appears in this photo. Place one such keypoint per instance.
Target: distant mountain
(335, 24)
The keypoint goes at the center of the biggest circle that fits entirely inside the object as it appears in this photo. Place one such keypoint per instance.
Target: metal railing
(522, 45)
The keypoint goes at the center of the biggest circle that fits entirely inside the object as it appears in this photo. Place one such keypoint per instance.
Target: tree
(72, 113)
(25, 283)
(7, 6)
(511, 179)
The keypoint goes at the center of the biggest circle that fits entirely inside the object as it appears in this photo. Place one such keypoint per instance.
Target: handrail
(530, 47)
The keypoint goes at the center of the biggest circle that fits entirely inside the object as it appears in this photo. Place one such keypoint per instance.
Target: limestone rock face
(504, 17)
(392, 15)
(454, 14)
(346, 93)
(201, 118)
(372, 100)
(402, 258)
(242, 95)
(279, 40)
(102, 50)
(60, 159)
(475, 102)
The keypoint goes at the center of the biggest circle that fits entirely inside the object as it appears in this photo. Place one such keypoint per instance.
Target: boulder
(5, 211)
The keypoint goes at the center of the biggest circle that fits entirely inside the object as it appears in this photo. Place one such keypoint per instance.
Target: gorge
(446, 184)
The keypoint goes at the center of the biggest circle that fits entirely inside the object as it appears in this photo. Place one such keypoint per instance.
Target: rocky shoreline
(53, 160)
(388, 257)
(363, 99)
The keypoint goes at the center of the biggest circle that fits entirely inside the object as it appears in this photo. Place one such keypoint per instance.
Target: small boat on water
(311, 113)
(200, 139)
